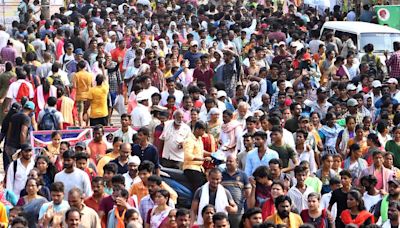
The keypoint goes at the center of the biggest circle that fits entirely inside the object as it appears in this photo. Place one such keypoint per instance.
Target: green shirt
(5, 82)
(285, 153)
(394, 148)
(315, 183)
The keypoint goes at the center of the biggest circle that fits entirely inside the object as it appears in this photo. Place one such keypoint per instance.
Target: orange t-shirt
(97, 150)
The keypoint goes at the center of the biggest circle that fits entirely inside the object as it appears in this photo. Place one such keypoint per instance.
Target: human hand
(252, 182)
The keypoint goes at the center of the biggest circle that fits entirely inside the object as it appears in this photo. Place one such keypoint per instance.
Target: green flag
(388, 15)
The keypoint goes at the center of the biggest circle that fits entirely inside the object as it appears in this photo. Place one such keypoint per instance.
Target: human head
(283, 205)
(57, 192)
(145, 169)
(355, 199)
(73, 217)
(207, 212)
(214, 178)
(183, 218)
(252, 217)
(220, 220)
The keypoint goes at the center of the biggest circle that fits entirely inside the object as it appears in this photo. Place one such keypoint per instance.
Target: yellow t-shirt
(83, 81)
(98, 101)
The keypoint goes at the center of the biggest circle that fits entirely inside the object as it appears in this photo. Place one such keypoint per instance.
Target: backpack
(371, 60)
(23, 91)
(57, 82)
(49, 120)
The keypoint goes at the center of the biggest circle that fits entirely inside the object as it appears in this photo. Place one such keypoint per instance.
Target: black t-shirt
(212, 196)
(340, 198)
(18, 120)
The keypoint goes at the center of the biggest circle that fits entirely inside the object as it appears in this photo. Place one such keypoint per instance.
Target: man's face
(255, 219)
(259, 141)
(231, 163)
(394, 189)
(301, 177)
(214, 179)
(346, 181)
(57, 197)
(393, 213)
(74, 200)
(98, 135)
(68, 163)
(171, 85)
(26, 154)
(152, 187)
(143, 174)
(275, 170)
(133, 169)
(73, 220)
(98, 188)
(224, 223)
(378, 160)
(284, 209)
(297, 110)
(183, 221)
(250, 126)
(125, 122)
(81, 164)
(124, 152)
(275, 136)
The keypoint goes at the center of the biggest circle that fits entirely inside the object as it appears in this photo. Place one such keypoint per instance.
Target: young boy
(82, 162)
(249, 146)
(299, 193)
(109, 170)
(339, 196)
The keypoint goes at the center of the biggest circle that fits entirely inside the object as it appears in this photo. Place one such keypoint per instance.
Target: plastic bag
(119, 104)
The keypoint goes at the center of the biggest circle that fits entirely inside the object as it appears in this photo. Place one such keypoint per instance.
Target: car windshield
(381, 41)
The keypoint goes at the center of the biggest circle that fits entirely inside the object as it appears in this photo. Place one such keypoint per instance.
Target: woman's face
(337, 162)
(397, 135)
(194, 116)
(357, 154)
(56, 140)
(351, 124)
(286, 114)
(208, 214)
(116, 145)
(328, 162)
(388, 161)
(215, 117)
(172, 218)
(160, 199)
(31, 187)
(315, 119)
(359, 133)
(313, 203)
(63, 148)
(226, 118)
(134, 218)
(351, 202)
(42, 165)
(276, 190)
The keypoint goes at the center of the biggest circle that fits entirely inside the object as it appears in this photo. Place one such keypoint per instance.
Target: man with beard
(284, 216)
(393, 214)
(261, 155)
(252, 217)
(89, 216)
(381, 208)
(132, 177)
(72, 176)
(371, 195)
(98, 194)
(148, 202)
(56, 207)
(173, 136)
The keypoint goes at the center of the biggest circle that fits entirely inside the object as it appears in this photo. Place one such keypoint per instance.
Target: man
(68, 55)
(118, 54)
(73, 177)
(252, 217)
(18, 171)
(371, 195)
(43, 70)
(145, 151)
(82, 163)
(18, 89)
(283, 205)
(89, 217)
(183, 218)
(82, 82)
(237, 183)
(393, 215)
(121, 197)
(192, 55)
(18, 132)
(292, 124)
(224, 202)
(261, 155)
(132, 177)
(377, 169)
(204, 73)
(141, 116)
(339, 196)
(275, 168)
(174, 134)
(284, 151)
(73, 218)
(126, 132)
(97, 147)
(322, 105)
(148, 202)
(49, 118)
(5, 78)
(122, 161)
(98, 194)
(97, 101)
(352, 107)
(56, 207)
(171, 90)
(299, 193)
(220, 220)
(229, 72)
(393, 63)
(8, 53)
(248, 143)
(381, 209)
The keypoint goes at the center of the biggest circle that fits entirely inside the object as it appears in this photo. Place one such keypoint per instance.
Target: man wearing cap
(72, 66)
(382, 207)
(132, 177)
(352, 107)
(18, 132)
(375, 92)
(141, 116)
(392, 82)
(68, 55)
(192, 55)
(18, 171)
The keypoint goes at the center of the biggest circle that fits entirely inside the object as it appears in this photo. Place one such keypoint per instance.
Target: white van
(363, 33)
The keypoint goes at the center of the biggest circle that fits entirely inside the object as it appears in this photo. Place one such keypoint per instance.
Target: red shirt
(204, 75)
(118, 53)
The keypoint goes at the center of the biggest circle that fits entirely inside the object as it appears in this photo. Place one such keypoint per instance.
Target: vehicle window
(381, 41)
(324, 32)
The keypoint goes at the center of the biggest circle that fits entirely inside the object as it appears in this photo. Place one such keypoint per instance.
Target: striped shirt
(299, 199)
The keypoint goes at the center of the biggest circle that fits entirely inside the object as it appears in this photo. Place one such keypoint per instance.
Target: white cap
(392, 81)
(141, 97)
(134, 159)
(351, 87)
(281, 43)
(112, 33)
(376, 84)
(221, 93)
(193, 42)
(114, 23)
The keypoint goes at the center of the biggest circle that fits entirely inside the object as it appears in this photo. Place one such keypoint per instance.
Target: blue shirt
(253, 160)
(149, 153)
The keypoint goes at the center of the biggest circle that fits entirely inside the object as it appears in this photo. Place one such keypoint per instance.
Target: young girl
(46, 169)
(354, 163)
(345, 135)
(383, 132)
(304, 150)
(53, 149)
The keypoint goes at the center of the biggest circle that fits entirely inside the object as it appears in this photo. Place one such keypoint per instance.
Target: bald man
(122, 161)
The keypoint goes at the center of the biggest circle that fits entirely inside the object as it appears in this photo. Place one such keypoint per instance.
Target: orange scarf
(120, 219)
(359, 220)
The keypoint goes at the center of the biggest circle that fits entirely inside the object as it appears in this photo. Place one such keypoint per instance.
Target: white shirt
(178, 97)
(4, 37)
(127, 136)
(14, 87)
(325, 204)
(63, 76)
(19, 48)
(172, 138)
(140, 116)
(18, 183)
(129, 181)
(370, 201)
(299, 200)
(77, 179)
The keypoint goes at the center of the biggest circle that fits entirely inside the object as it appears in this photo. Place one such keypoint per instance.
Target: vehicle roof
(359, 27)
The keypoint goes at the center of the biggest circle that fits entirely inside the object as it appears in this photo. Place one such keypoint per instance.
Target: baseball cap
(141, 97)
(81, 145)
(351, 87)
(194, 43)
(392, 81)
(29, 105)
(79, 51)
(134, 159)
(376, 84)
(281, 43)
(221, 93)
(70, 45)
(26, 147)
(304, 118)
(395, 181)
(352, 102)
(299, 94)
(321, 90)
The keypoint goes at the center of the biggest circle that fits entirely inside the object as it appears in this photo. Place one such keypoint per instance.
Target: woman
(253, 69)
(117, 142)
(207, 213)
(326, 173)
(329, 133)
(46, 169)
(393, 146)
(316, 120)
(373, 144)
(388, 163)
(133, 216)
(43, 190)
(158, 216)
(277, 189)
(383, 132)
(32, 202)
(7, 197)
(194, 117)
(360, 139)
(354, 163)
(64, 146)
(356, 213)
(319, 218)
(214, 123)
(345, 135)
(42, 93)
(210, 146)
(52, 150)
(67, 107)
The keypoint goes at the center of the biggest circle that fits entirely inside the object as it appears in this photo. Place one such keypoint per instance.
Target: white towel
(221, 200)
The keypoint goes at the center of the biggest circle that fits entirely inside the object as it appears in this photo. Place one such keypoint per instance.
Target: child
(109, 170)
(83, 164)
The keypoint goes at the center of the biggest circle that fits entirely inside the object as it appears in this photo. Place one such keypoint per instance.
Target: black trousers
(96, 121)
(170, 163)
(195, 178)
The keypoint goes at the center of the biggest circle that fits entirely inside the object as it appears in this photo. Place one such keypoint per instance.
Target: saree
(31, 211)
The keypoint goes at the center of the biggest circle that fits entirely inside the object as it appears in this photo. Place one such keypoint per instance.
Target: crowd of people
(266, 121)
